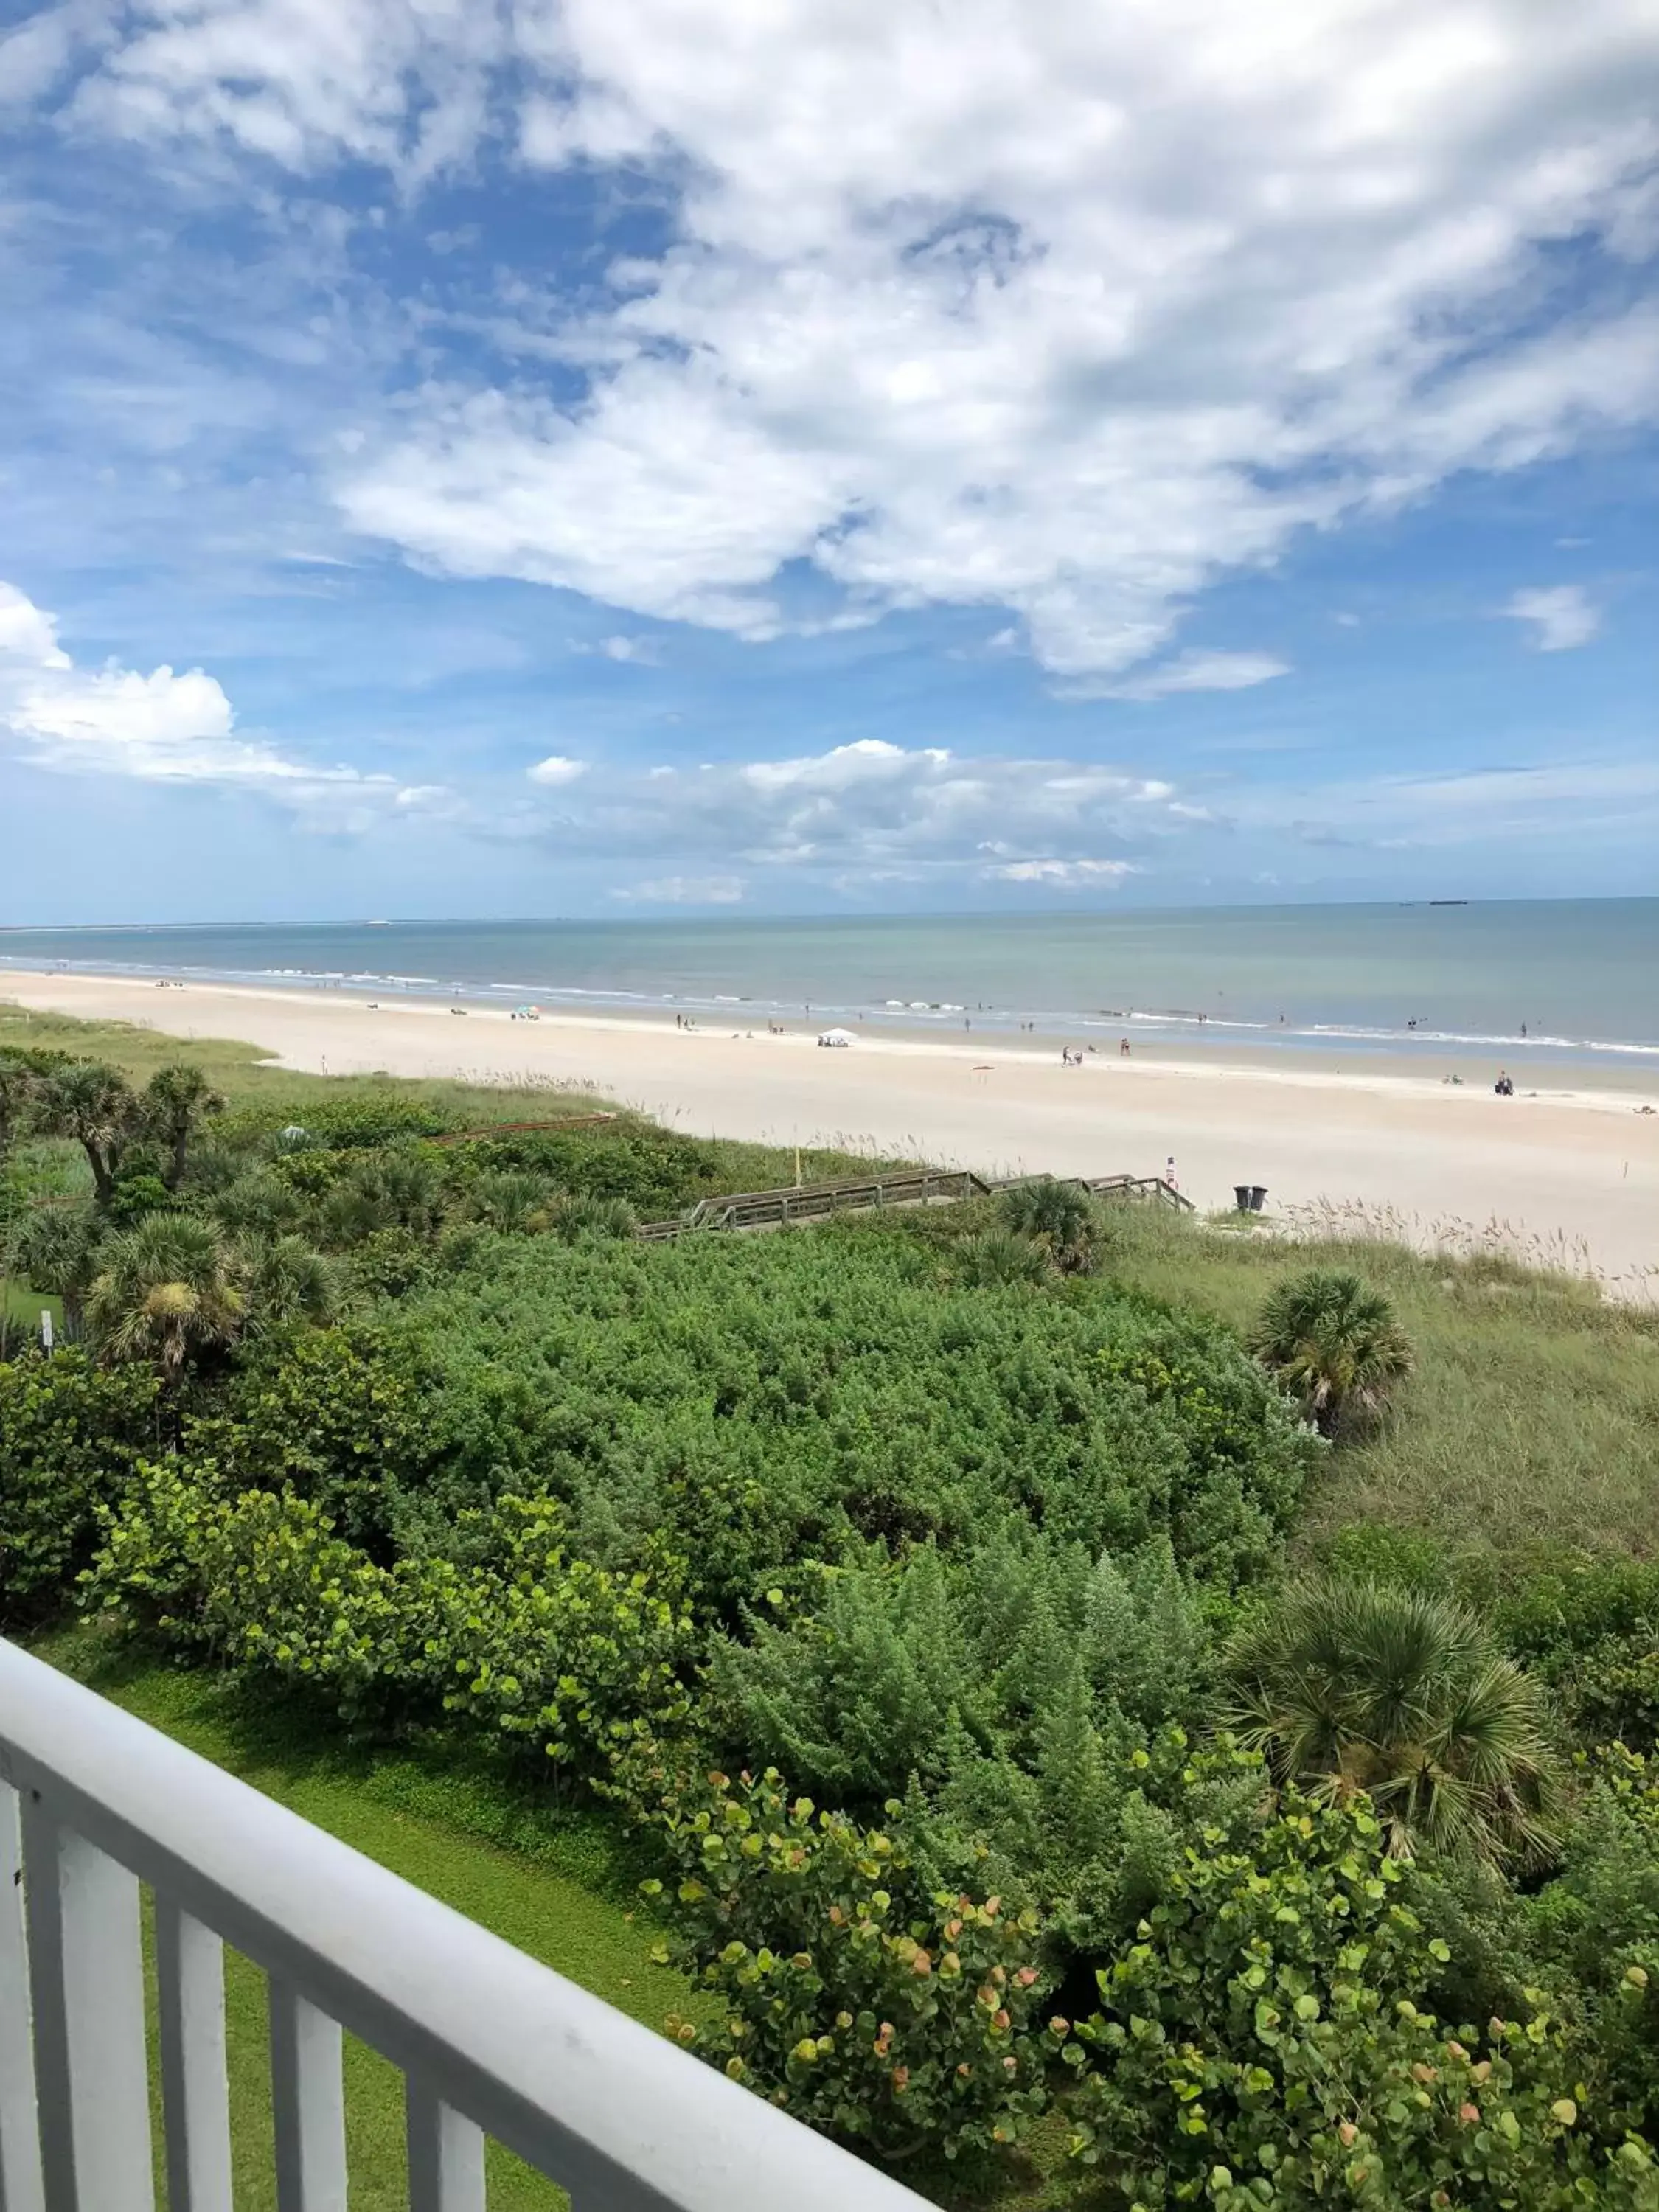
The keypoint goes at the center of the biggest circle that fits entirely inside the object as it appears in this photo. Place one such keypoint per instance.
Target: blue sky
(596, 457)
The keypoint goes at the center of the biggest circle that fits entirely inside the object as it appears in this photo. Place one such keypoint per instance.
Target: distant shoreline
(1569, 1177)
(1560, 1067)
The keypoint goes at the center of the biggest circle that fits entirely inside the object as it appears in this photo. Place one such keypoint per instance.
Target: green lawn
(558, 1889)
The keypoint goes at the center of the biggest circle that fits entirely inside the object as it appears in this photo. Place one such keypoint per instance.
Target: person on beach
(1123, 1049)
(1504, 1087)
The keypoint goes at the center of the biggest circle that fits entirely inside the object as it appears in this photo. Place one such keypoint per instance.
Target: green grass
(1531, 1417)
(557, 1886)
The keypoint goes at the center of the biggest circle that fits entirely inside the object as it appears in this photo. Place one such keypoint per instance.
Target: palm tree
(1332, 1342)
(508, 1199)
(94, 1106)
(19, 1086)
(997, 1257)
(166, 1289)
(1058, 1213)
(283, 1280)
(1361, 1686)
(56, 1247)
(578, 1218)
(258, 1204)
(387, 1190)
(177, 1100)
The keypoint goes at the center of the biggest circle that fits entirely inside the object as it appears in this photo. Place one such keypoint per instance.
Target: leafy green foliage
(1334, 1343)
(885, 2011)
(55, 1246)
(778, 1399)
(1261, 2042)
(520, 1638)
(70, 1434)
(1594, 1928)
(573, 1219)
(93, 1105)
(1018, 1654)
(999, 1258)
(176, 1102)
(1062, 1216)
(1367, 1686)
(335, 1416)
(345, 1121)
(165, 1290)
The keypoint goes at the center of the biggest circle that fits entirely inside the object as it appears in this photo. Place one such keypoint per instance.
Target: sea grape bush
(333, 1414)
(1595, 1927)
(1262, 2041)
(70, 1433)
(579, 1664)
(887, 2013)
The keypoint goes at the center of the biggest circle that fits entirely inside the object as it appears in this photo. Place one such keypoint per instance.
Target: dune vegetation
(1087, 1706)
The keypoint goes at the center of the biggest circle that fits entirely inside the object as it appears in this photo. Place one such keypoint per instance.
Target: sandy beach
(1573, 1173)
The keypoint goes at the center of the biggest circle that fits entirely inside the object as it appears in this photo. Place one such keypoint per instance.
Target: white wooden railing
(94, 1803)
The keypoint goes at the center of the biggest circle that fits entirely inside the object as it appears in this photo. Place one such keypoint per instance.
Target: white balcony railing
(93, 1803)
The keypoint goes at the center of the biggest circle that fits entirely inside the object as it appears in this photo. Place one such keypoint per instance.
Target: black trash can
(1258, 1197)
(1242, 1196)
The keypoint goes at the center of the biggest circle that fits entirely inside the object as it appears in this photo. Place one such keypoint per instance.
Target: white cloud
(639, 650)
(865, 760)
(1202, 671)
(1070, 875)
(1544, 802)
(402, 83)
(556, 769)
(165, 727)
(685, 890)
(1064, 312)
(29, 637)
(1068, 312)
(864, 812)
(1562, 617)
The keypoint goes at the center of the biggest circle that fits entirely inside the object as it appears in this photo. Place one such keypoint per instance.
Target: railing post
(87, 1981)
(190, 1974)
(446, 2154)
(307, 2104)
(20, 2136)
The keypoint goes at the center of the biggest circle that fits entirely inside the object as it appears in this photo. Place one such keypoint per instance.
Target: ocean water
(1582, 976)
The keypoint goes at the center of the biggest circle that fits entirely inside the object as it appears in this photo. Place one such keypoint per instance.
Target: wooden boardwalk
(800, 1205)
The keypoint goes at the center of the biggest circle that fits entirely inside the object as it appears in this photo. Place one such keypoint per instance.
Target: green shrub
(1262, 2042)
(782, 1398)
(657, 1171)
(884, 2012)
(70, 1434)
(1022, 1649)
(335, 1414)
(578, 1664)
(1595, 1926)
(351, 1121)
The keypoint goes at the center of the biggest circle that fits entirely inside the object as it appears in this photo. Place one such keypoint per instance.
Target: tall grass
(1532, 1415)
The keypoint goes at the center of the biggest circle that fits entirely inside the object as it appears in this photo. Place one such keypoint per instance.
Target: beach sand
(1570, 1174)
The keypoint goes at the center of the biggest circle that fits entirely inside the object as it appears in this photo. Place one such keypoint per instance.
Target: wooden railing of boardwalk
(801, 1205)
